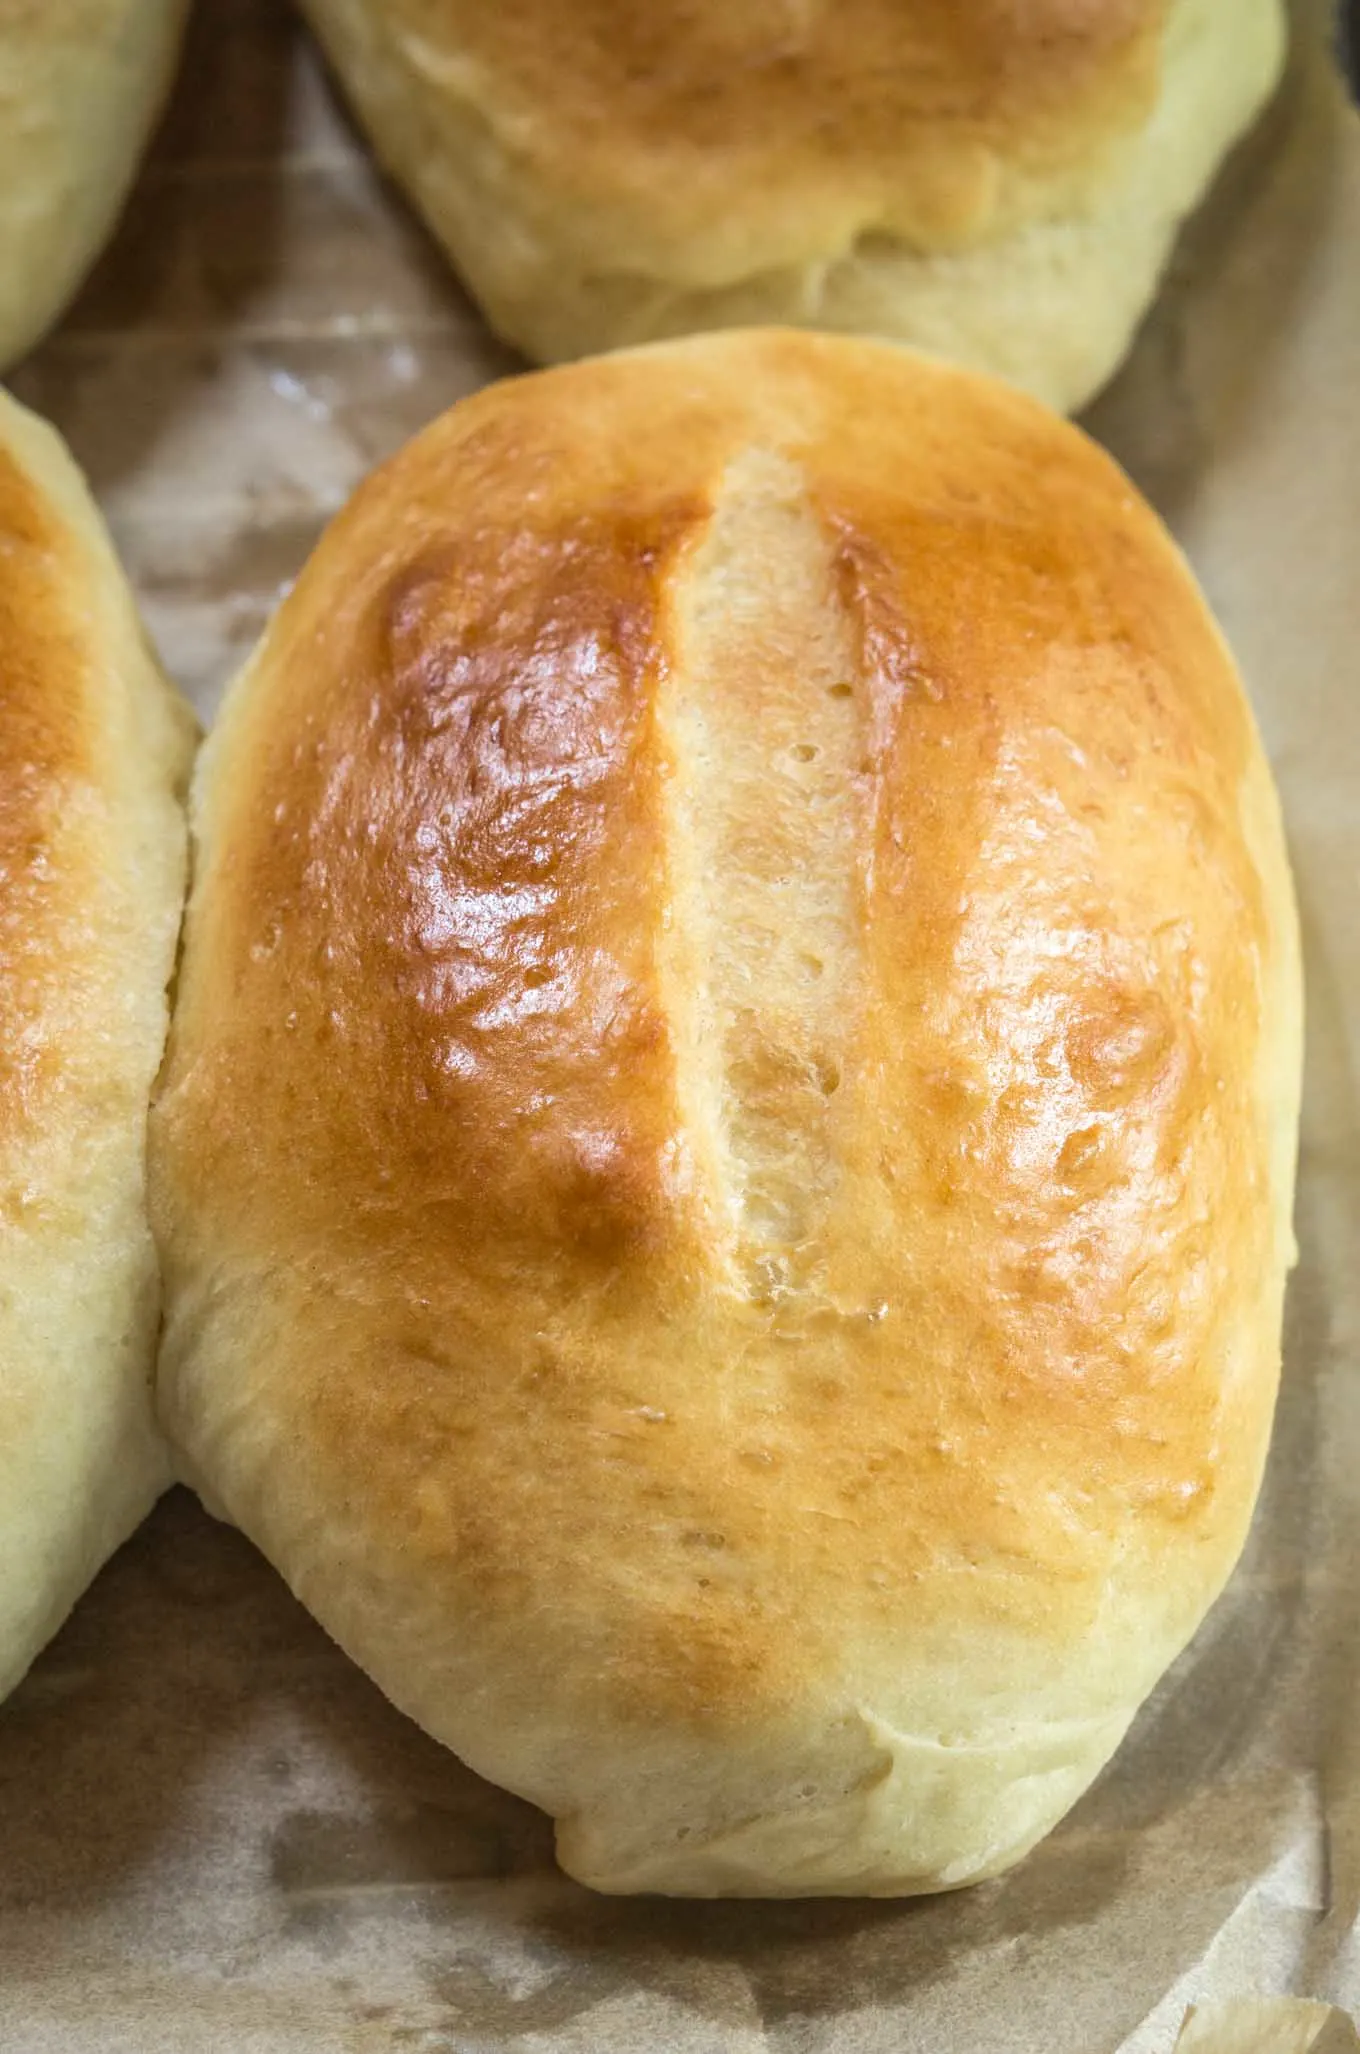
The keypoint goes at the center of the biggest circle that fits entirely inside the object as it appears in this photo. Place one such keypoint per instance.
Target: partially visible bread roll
(81, 83)
(998, 181)
(725, 1158)
(94, 751)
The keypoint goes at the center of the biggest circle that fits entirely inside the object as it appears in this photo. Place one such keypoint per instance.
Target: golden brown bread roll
(81, 83)
(999, 181)
(725, 1157)
(94, 751)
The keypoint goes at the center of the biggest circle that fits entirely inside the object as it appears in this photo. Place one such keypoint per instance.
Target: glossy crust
(94, 754)
(81, 84)
(726, 1153)
(999, 181)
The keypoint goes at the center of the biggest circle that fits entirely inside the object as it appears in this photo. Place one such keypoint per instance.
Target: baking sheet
(216, 1834)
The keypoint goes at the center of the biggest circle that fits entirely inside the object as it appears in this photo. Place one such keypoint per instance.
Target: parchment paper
(216, 1834)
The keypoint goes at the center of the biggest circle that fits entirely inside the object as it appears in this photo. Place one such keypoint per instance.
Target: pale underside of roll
(998, 183)
(81, 85)
(94, 758)
(725, 1160)
(1267, 2025)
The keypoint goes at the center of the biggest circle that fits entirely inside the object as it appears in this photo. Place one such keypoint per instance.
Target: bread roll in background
(998, 181)
(94, 755)
(724, 1164)
(81, 84)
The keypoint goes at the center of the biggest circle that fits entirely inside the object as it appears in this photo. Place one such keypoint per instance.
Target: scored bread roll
(81, 84)
(94, 754)
(724, 1162)
(997, 182)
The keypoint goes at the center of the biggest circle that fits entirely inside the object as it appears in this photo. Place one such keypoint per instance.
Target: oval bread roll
(94, 753)
(81, 84)
(999, 181)
(725, 1158)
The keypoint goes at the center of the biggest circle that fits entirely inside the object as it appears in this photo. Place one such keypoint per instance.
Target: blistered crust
(692, 1264)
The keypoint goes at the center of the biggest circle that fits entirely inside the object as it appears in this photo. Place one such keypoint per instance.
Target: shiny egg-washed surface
(45, 754)
(725, 1162)
(94, 753)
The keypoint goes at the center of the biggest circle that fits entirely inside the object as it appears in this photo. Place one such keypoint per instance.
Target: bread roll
(724, 1164)
(998, 181)
(94, 754)
(81, 83)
